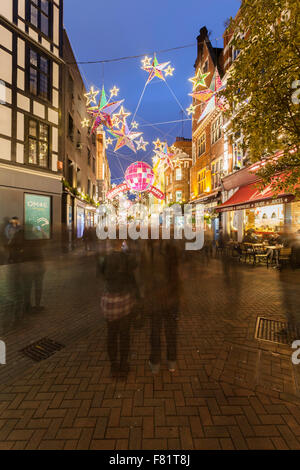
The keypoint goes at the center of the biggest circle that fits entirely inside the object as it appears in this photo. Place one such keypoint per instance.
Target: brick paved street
(230, 390)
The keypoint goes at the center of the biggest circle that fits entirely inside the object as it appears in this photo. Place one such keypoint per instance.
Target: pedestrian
(117, 270)
(10, 230)
(33, 273)
(166, 293)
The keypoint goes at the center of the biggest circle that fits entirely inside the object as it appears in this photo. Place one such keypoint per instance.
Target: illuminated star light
(155, 70)
(158, 144)
(121, 116)
(91, 96)
(126, 137)
(85, 122)
(169, 70)
(199, 79)
(146, 61)
(134, 125)
(141, 144)
(165, 155)
(109, 141)
(103, 111)
(114, 91)
(191, 109)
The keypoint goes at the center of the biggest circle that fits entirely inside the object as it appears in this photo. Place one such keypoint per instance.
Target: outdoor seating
(260, 254)
(246, 250)
(284, 257)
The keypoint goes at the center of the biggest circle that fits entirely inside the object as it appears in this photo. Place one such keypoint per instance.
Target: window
(167, 180)
(238, 155)
(71, 128)
(201, 181)
(216, 130)
(205, 68)
(39, 15)
(94, 165)
(78, 145)
(78, 179)
(178, 196)
(235, 53)
(38, 143)
(178, 174)
(216, 169)
(70, 172)
(89, 187)
(89, 157)
(39, 75)
(201, 144)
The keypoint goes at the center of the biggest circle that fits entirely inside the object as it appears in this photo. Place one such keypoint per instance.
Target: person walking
(116, 269)
(165, 303)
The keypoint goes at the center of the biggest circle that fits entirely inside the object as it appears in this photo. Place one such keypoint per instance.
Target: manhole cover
(42, 349)
(275, 331)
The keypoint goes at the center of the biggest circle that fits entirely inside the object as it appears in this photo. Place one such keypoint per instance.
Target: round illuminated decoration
(139, 176)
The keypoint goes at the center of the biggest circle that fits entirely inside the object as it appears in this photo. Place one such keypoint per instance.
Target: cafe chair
(260, 254)
(284, 257)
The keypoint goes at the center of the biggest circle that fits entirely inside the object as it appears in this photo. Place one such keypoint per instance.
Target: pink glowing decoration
(139, 176)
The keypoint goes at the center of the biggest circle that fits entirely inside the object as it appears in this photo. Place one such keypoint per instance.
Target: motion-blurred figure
(10, 230)
(165, 292)
(116, 269)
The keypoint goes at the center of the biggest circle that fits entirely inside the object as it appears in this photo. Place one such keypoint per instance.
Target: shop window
(178, 174)
(38, 143)
(201, 181)
(178, 196)
(201, 144)
(216, 130)
(39, 75)
(40, 14)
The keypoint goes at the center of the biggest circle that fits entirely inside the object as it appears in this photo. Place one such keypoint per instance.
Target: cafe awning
(249, 196)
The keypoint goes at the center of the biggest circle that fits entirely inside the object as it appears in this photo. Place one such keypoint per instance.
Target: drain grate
(42, 349)
(275, 331)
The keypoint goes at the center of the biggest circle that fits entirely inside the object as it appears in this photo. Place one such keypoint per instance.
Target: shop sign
(252, 205)
(37, 216)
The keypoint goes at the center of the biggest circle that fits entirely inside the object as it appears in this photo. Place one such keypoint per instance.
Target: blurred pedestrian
(116, 269)
(10, 230)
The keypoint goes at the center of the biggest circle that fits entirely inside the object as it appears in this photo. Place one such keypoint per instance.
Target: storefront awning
(249, 196)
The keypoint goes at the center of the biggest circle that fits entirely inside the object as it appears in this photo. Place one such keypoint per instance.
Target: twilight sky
(112, 29)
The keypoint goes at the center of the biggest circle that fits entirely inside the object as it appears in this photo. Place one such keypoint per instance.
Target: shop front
(211, 217)
(250, 209)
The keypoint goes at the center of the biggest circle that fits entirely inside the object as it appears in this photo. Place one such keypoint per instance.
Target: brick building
(207, 134)
(177, 180)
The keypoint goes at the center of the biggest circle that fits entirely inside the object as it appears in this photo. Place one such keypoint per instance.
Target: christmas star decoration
(91, 96)
(169, 70)
(165, 155)
(146, 61)
(141, 144)
(158, 144)
(134, 125)
(109, 141)
(191, 109)
(126, 137)
(114, 91)
(121, 116)
(199, 79)
(155, 70)
(202, 95)
(102, 113)
(85, 122)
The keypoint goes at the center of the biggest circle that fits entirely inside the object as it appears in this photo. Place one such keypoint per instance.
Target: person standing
(165, 291)
(10, 230)
(116, 268)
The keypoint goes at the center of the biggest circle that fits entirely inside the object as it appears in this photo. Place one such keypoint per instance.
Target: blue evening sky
(112, 29)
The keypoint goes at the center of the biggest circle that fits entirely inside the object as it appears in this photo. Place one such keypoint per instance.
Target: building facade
(207, 135)
(30, 115)
(78, 150)
(177, 179)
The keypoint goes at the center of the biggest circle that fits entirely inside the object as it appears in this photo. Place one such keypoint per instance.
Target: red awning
(249, 196)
